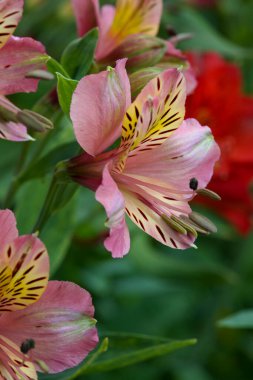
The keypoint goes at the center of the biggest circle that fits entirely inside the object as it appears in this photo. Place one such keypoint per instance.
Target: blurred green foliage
(154, 290)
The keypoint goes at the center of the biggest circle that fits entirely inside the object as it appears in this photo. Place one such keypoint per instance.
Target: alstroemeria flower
(43, 326)
(148, 176)
(220, 102)
(18, 58)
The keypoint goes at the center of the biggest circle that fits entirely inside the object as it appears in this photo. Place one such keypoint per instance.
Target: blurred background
(156, 290)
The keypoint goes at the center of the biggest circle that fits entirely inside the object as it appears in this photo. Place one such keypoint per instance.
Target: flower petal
(131, 17)
(10, 15)
(19, 57)
(61, 324)
(109, 195)
(189, 152)
(8, 229)
(86, 14)
(98, 106)
(155, 114)
(25, 268)
(13, 364)
(11, 130)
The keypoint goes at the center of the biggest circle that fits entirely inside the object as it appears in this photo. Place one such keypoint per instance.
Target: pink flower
(43, 326)
(18, 58)
(148, 176)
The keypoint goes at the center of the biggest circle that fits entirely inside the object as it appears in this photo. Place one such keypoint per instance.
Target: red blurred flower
(219, 102)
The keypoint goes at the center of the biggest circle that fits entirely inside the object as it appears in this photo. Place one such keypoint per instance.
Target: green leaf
(240, 320)
(65, 89)
(77, 58)
(55, 67)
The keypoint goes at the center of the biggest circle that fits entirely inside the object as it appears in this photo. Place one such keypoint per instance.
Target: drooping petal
(190, 152)
(86, 14)
(19, 57)
(61, 324)
(155, 114)
(150, 221)
(13, 364)
(8, 229)
(25, 268)
(98, 107)
(131, 17)
(10, 14)
(109, 195)
(11, 130)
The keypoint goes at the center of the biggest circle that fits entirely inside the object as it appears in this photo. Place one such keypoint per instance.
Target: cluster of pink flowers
(159, 163)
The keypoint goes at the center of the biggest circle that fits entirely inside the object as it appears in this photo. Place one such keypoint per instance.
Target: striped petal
(19, 57)
(25, 268)
(131, 17)
(13, 364)
(10, 15)
(98, 106)
(155, 114)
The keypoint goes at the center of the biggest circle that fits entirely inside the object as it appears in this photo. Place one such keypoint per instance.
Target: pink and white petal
(10, 15)
(19, 57)
(86, 13)
(25, 263)
(106, 17)
(13, 364)
(148, 218)
(189, 152)
(61, 324)
(109, 195)
(11, 130)
(157, 111)
(8, 229)
(98, 107)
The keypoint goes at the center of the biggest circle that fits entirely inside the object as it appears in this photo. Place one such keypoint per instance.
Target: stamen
(203, 222)
(34, 121)
(194, 225)
(193, 184)
(27, 345)
(209, 193)
(44, 368)
(40, 74)
(185, 225)
(7, 115)
(174, 225)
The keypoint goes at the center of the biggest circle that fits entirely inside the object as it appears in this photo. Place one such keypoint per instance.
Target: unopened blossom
(220, 102)
(44, 326)
(130, 30)
(19, 58)
(149, 176)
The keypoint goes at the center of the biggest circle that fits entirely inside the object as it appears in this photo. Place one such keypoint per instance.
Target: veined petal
(25, 269)
(155, 114)
(98, 107)
(8, 229)
(19, 57)
(86, 14)
(13, 364)
(190, 152)
(131, 17)
(61, 324)
(150, 221)
(109, 195)
(11, 130)
(10, 15)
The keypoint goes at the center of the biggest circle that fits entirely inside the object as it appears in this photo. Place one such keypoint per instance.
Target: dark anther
(27, 345)
(193, 183)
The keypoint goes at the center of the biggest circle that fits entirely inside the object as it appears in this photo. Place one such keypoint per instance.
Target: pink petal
(109, 195)
(86, 14)
(19, 57)
(10, 15)
(106, 16)
(61, 324)
(131, 17)
(10, 130)
(8, 229)
(98, 106)
(189, 152)
(24, 272)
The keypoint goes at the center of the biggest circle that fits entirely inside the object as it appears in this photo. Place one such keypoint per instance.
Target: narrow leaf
(240, 320)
